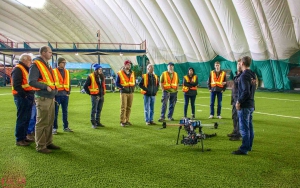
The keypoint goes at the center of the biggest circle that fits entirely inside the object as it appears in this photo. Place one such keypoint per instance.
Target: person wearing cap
(149, 87)
(41, 77)
(63, 85)
(169, 85)
(216, 85)
(126, 84)
(23, 97)
(95, 87)
(190, 83)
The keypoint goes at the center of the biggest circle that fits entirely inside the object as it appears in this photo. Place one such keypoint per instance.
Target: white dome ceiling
(175, 30)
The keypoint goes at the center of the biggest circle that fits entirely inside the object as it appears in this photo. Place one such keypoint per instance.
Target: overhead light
(33, 3)
(76, 53)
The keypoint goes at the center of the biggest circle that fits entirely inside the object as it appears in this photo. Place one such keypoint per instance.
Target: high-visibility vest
(60, 83)
(146, 81)
(124, 80)
(93, 88)
(217, 81)
(187, 79)
(25, 84)
(168, 83)
(47, 76)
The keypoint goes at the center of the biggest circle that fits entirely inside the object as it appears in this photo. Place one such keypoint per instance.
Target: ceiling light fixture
(33, 3)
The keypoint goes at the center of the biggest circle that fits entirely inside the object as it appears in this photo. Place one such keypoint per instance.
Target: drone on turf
(191, 127)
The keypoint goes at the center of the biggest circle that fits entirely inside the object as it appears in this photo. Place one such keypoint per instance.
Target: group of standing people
(35, 82)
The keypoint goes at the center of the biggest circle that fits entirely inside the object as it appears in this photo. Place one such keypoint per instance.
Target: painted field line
(278, 115)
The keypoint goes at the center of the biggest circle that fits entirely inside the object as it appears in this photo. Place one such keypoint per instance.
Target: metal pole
(4, 70)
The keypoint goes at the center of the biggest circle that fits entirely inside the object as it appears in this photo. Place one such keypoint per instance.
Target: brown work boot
(52, 146)
(29, 139)
(44, 151)
(22, 143)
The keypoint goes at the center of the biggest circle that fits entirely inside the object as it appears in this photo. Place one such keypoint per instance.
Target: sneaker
(54, 131)
(238, 152)
(122, 124)
(68, 130)
(27, 139)
(234, 138)
(100, 125)
(52, 146)
(30, 136)
(128, 123)
(211, 117)
(152, 123)
(193, 116)
(44, 151)
(171, 119)
(22, 143)
(148, 123)
(230, 135)
(219, 117)
(94, 127)
(161, 120)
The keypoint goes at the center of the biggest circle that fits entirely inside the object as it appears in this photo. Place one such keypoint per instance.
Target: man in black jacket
(245, 106)
(23, 98)
(235, 135)
(149, 87)
(95, 87)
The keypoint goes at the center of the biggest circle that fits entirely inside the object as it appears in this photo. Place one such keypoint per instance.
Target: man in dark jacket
(235, 135)
(95, 87)
(245, 106)
(41, 77)
(23, 98)
(149, 87)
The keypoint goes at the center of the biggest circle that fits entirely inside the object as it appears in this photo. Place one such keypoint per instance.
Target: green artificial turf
(147, 156)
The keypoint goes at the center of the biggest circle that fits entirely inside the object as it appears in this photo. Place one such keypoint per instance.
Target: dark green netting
(273, 73)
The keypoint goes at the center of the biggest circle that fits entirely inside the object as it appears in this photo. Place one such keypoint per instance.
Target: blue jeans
(149, 107)
(246, 128)
(23, 117)
(213, 95)
(97, 104)
(186, 104)
(172, 98)
(64, 102)
(32, 120)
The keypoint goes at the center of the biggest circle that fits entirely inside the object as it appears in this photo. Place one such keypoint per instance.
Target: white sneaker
(54, 131)
(219, 117)
(211, 117)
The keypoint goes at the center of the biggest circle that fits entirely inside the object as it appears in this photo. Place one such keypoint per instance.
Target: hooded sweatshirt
(246, 89)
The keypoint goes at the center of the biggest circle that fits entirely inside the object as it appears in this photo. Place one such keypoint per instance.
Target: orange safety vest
(93, 88)
(62, 84)
(187, 79)
(146, 81)
(25, 84)
(168, 83)
(217, 81)
(124, 80)
(47, 76)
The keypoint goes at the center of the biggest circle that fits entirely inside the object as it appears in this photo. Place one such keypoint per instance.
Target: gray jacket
(34, 75)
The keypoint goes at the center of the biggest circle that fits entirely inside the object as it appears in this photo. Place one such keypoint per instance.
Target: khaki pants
(126, 102)
(44, 121)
